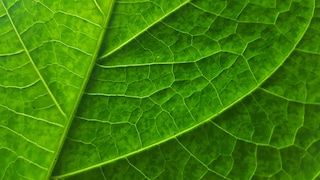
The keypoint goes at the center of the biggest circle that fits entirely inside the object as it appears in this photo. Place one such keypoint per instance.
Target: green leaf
(47, 52)
(197, 89)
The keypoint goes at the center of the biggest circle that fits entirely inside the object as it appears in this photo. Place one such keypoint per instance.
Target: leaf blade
(38, 101)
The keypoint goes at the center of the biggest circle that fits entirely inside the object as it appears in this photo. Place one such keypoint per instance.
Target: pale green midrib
(143, 30)
(33, 64)
(197, 125)
(83, 86)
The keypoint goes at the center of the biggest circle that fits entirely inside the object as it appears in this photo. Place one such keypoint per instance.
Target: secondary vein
(33, 64)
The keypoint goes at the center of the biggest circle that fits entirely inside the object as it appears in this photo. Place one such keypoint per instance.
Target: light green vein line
(33, 64)
(61, 42)
(137, 169)
(25, 138)
(288, 99)
(31, 162)
(307, 51)
(79, 17)
(316, 176)
(64, 67)
(16, 67)
(20, 87)
(22, 157)
(197, 159)
(12, 53)
(32, 117)
(165, 63)
(144, 30)
(97, 5)
(197, 125)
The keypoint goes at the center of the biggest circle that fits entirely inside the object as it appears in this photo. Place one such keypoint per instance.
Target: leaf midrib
(86, 78)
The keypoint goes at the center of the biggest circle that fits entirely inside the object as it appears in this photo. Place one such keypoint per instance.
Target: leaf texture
(154, 89)
(202, 92)
(47, 52)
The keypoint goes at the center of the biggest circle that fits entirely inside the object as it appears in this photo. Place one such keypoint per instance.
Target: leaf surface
(199, 92)
(47, 52)
(181, 89)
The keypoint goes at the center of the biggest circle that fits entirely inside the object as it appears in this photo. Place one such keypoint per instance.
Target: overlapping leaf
(47, 50)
